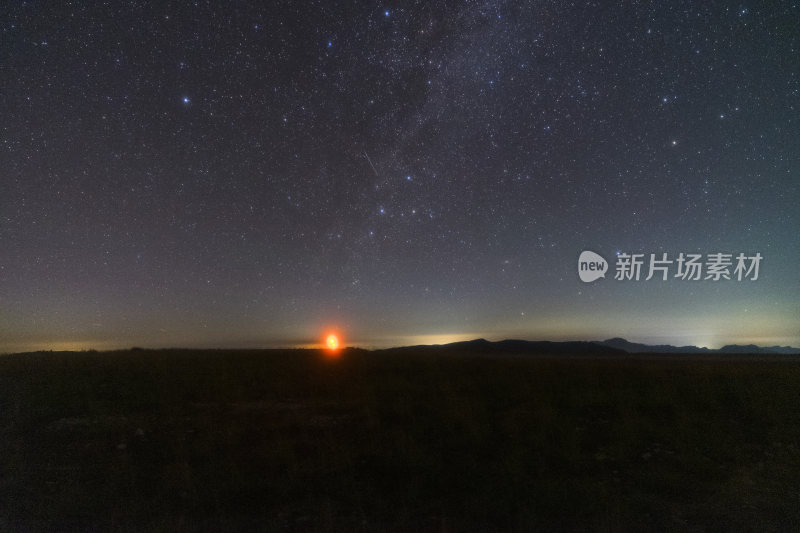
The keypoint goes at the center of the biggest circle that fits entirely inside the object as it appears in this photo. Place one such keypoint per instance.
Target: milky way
(258, 174)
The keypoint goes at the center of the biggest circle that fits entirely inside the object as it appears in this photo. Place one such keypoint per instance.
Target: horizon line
(117, 347)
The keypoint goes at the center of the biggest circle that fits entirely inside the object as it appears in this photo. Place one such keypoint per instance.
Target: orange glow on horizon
(332, 342)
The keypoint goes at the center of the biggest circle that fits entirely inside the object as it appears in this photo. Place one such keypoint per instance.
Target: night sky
(256, 174)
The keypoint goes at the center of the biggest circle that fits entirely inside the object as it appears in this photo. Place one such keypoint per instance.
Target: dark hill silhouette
(752, 348)
(511, 347)
(633, 347)
(615, 346)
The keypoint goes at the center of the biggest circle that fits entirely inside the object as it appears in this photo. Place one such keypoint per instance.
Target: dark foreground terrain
(297, 441)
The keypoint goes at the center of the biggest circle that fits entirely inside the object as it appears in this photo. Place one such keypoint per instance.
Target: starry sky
(245, 174)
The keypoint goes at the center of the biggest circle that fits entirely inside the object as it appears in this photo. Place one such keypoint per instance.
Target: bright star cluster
(250, 173)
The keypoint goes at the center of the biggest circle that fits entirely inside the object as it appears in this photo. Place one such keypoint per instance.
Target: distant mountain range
(482, 346)
(634, 347)
(615, 346)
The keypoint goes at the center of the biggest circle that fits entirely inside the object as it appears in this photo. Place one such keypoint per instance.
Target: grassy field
(296, 441)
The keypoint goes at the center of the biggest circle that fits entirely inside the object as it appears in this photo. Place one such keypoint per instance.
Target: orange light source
(332, 342)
